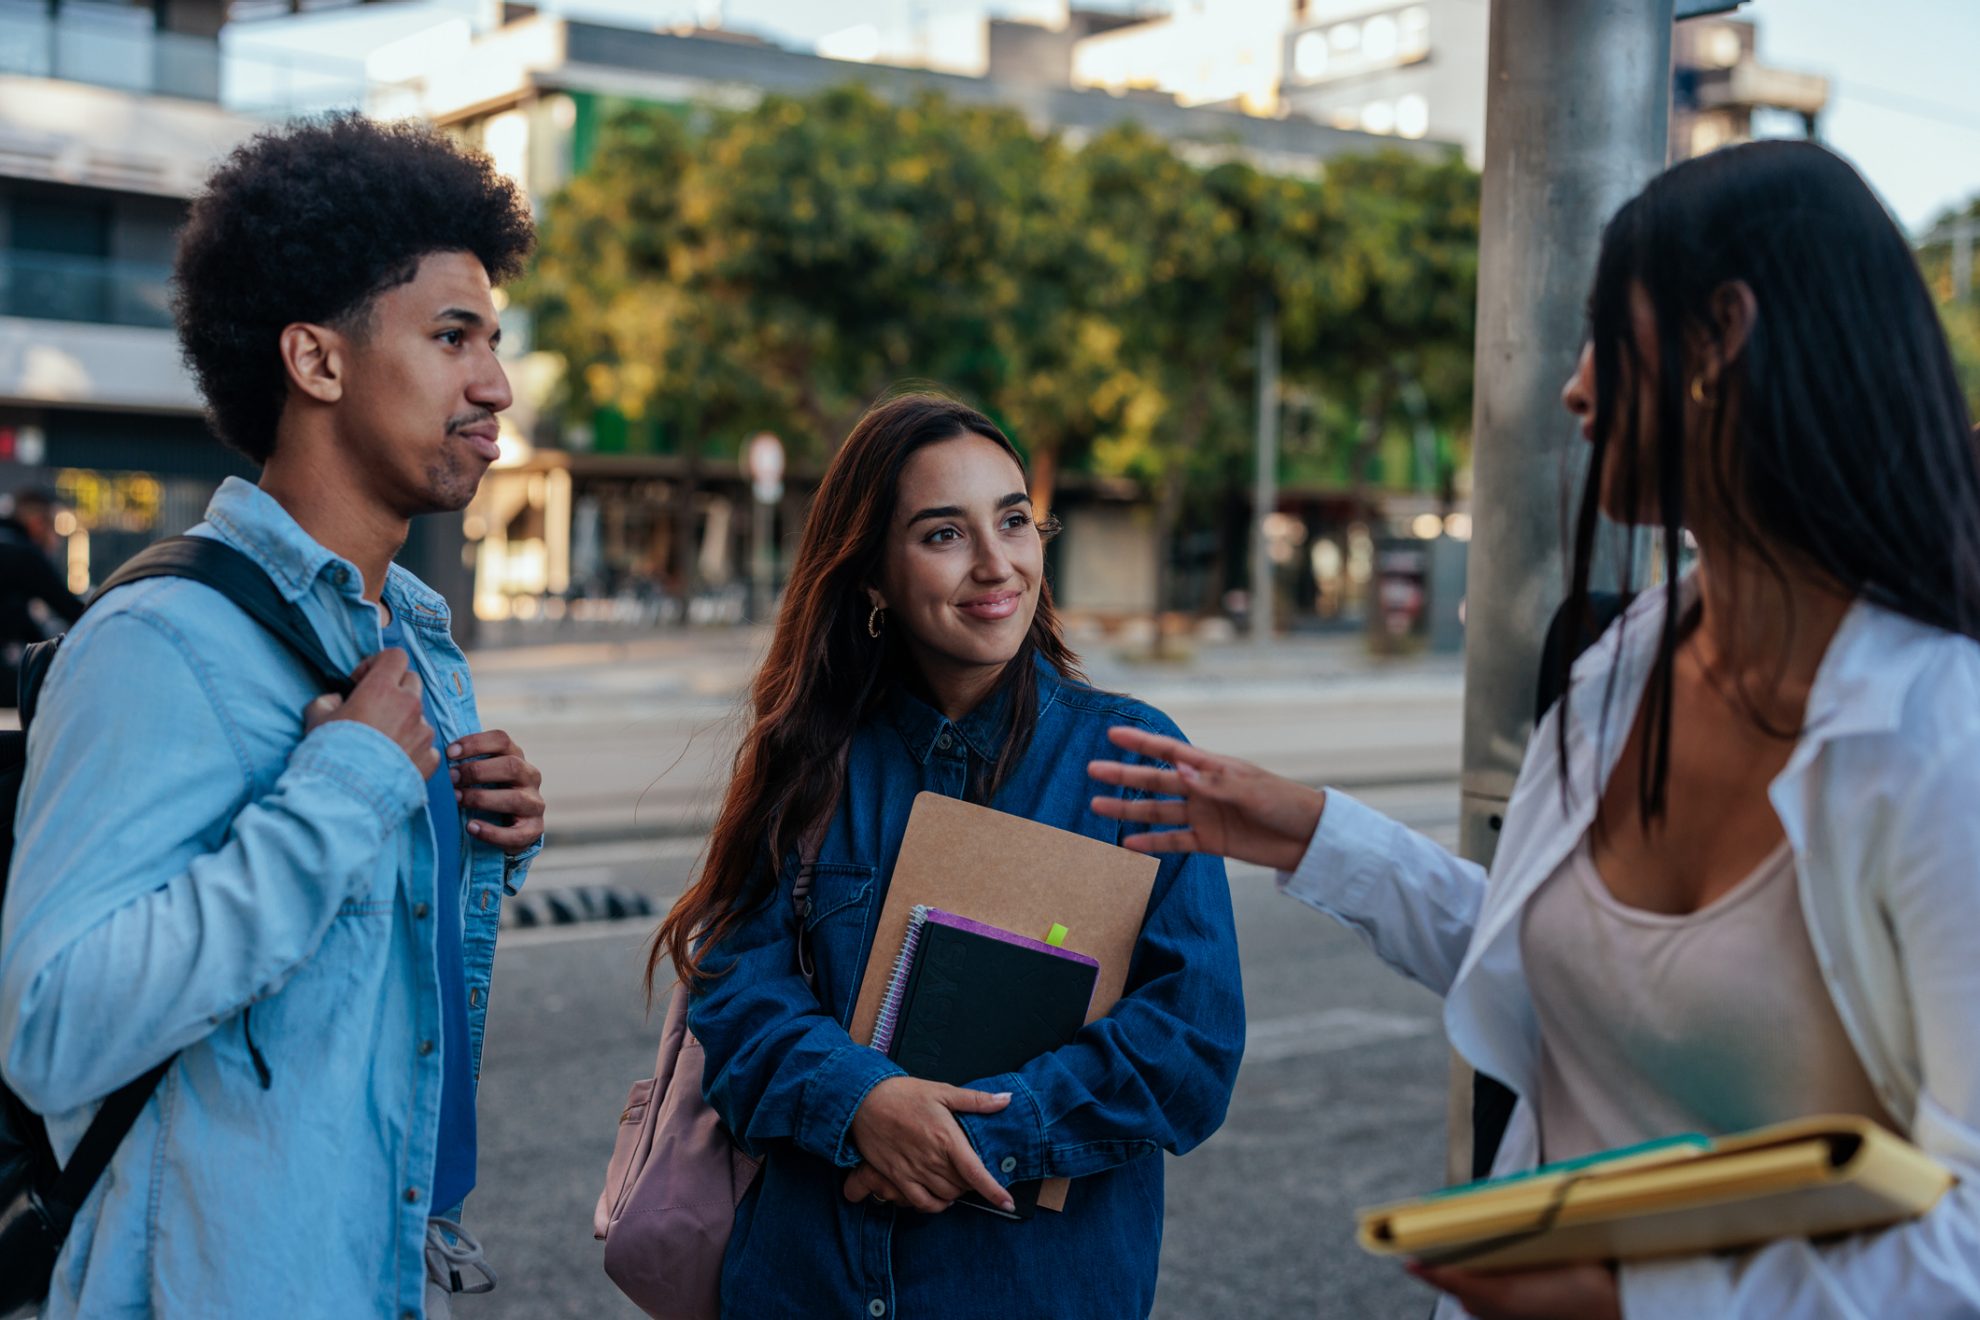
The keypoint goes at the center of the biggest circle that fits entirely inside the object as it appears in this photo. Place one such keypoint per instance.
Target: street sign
(763, 459)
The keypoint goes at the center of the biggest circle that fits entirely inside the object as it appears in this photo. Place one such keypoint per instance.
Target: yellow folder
(1807, 1178)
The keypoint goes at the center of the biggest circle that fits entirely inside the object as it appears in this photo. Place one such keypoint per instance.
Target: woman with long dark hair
(917, 650)
(1739, 877)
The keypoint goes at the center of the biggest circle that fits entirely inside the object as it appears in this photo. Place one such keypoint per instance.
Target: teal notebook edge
(1697, 1141)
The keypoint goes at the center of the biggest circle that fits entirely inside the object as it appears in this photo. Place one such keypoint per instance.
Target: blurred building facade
(1415, 69)
(111, 116)
(1402, 68)
(1719, 86)
(109, 120)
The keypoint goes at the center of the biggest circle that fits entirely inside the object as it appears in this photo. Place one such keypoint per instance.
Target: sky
(1904, 101)
(1904, 97)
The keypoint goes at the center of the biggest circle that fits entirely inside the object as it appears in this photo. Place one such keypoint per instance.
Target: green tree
(1178, 248)
(716, 272)
(1959, 309)
(1385, 331)
(619, 290)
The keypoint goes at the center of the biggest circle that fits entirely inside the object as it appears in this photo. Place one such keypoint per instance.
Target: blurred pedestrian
(917, 650)
(28, 577)
(1737, 879)
(292, 901)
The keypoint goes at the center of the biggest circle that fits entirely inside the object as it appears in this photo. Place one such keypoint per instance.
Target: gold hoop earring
(873, 622)
(1698, 395)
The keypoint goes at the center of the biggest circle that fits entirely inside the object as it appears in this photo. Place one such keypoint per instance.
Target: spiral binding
(890, 1003)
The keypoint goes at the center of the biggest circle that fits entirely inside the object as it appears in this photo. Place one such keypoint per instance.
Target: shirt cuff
(833, 1095)
(515, 869)
(1348, 848)
(1010, 1142)
(364, 763)
(1686, 1285)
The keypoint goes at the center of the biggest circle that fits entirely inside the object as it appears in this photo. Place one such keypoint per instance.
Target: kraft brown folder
(1808, 1178)
(1020, 875)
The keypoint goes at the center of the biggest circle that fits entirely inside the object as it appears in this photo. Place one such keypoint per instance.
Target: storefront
(128, 479)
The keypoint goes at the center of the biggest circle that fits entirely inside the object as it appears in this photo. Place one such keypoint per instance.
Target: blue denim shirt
(1155, 1074)
(185, 854)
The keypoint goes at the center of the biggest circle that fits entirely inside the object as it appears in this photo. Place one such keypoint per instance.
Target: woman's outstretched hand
(1224, 805)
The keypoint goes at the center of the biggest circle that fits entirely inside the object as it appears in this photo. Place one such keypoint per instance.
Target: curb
(688, 827)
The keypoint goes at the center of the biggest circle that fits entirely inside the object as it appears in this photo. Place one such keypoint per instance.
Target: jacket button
(474, 996)
(419, 911)
(412, 1195)
(945, 742)
(425, 1048)
(1009, 1165)
(876, 1308)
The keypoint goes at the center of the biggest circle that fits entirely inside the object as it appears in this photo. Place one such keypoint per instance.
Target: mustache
(456, 425)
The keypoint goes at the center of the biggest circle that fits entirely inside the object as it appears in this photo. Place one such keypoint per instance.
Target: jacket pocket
(837, 917)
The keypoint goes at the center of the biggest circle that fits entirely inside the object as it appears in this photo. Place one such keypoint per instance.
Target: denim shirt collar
(256, 522)
(983, 730)
(251, 518)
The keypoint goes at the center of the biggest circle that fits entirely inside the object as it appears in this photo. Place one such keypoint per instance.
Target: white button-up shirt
(1881, 804)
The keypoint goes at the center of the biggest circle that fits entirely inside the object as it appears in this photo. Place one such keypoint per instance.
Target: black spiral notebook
(968, 1001)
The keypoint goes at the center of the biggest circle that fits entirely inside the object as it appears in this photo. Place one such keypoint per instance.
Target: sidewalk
(635, 736)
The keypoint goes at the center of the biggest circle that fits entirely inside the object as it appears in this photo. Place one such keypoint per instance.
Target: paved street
(1341, 1100)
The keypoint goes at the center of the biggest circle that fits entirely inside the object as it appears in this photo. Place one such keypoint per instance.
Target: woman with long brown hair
(917, 650)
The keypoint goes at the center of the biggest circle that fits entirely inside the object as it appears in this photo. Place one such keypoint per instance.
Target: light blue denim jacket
(186, 855)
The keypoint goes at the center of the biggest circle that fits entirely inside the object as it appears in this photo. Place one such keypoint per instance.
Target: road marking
(530, 937)
(1333, 1029)
(569, 877)
(583, 856)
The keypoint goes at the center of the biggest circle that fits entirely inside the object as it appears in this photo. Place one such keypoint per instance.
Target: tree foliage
(1959, 309)
(780, 266)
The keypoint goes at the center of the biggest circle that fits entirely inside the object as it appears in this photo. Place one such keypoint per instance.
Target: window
(1413, 32)
(1378, 38)
(1412, 116)
(1310, 55)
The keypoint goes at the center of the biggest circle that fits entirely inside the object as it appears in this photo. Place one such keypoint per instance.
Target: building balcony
(107, 47)
(97, 290)
(88, 332)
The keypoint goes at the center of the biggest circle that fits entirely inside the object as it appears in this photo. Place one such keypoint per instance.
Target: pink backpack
(676, 1175)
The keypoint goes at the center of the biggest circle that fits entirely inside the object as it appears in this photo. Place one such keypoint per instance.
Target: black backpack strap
(1557, 657)
(92, 1154)
(1492, 1100)
(237, 577)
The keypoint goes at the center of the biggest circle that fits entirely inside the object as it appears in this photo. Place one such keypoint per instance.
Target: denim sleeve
(1157, 1071)
(778, 1068)
(515, 869)
(151, 896)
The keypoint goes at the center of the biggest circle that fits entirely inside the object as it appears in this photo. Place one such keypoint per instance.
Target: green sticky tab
(1056, 936)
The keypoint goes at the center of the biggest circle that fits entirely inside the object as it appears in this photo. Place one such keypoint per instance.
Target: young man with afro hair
(292, 897)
